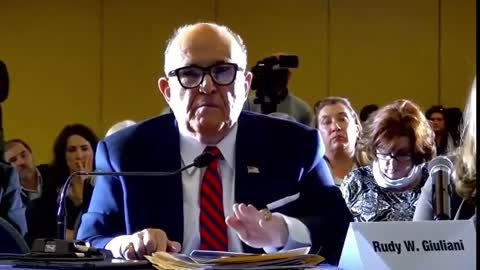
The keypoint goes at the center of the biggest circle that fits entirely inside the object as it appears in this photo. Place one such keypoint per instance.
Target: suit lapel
(246, 157)
(242, 190)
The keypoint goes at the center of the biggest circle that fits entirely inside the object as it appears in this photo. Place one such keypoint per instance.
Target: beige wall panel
(52, 52)
(384, 50)
(294, 27)
(458, 51)
(134, 39)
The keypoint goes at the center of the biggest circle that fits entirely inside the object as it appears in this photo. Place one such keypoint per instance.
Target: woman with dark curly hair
(74, 150)
(398, 140)
(444, 141)
(464, 175)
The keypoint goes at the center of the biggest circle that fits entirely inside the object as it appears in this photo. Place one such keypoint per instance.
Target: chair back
(11, 241)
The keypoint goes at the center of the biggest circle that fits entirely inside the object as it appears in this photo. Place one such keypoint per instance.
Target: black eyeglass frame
(205, 70)
(404, 158)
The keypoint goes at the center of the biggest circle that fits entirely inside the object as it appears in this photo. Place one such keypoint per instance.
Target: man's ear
(248, 83)
(164, 88)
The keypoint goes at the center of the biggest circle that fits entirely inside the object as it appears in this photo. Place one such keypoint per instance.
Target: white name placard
(410, 245)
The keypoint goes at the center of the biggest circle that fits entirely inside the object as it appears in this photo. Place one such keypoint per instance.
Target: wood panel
(384, 50)
(134, 39)
(52, 52)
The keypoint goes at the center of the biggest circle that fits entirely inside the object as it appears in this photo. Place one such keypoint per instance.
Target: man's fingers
(236, 210)
(139, 250)
(243, 211)
(237, 225)
(150, 243)
(253, 212)
(173, 246)
(247, 213)
(161, 239)
(129, 251)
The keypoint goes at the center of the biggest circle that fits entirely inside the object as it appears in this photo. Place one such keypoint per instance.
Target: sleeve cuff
(115, 245)
(298, 235)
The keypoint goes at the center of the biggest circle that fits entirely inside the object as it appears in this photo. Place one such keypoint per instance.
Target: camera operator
(270, 83)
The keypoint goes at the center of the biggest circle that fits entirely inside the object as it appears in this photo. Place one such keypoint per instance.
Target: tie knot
(214, 150)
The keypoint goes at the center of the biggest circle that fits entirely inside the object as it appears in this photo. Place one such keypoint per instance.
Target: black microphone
(440, 169)
(200, 161)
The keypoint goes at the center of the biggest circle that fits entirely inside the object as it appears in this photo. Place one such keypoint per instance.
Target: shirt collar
(190, 148)
(39, 185)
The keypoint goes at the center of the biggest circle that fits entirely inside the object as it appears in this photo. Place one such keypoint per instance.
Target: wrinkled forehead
(202, 47)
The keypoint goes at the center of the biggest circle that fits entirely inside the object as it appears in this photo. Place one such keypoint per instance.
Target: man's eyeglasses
(192, 76)
(401, 158)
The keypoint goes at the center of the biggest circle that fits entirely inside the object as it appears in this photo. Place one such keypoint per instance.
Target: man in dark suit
(11, 206)
(262, 162)
(38, 194)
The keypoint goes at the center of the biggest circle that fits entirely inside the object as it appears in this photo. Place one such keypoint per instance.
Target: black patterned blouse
(370, 202)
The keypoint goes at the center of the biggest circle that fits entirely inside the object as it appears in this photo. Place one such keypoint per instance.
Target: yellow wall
(97, 61)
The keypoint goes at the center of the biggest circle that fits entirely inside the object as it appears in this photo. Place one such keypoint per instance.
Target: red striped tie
(213, 230)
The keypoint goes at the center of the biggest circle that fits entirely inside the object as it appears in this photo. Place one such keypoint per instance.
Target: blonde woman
(340, 129)
(464, 175)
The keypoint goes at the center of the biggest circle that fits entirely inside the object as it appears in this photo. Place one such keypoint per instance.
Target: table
(107, 264)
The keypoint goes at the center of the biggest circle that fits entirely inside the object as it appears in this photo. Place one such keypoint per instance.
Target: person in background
(399, 140)
(259, 162)
(38, 195)
(366, 111)
(280, 115)
(454, 123)
(11, 206)
(464, 175)
(74, 151)
(288, 103)
(443, 140)
(340, 129)
(119, 126)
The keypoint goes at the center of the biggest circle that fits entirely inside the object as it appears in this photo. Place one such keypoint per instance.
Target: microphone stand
(61, 213)
(65, 248)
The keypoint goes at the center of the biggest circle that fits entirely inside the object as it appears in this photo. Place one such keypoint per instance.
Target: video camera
(270, 76)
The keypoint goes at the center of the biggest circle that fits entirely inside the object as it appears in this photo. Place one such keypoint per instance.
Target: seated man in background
(218, 207)
(38, 196)
(11, 206)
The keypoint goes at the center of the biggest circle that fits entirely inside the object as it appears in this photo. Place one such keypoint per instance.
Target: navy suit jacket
(288, 156)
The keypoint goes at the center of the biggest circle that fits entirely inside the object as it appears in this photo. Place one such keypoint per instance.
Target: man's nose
(334, 126)
(19, 162)
(207, 86)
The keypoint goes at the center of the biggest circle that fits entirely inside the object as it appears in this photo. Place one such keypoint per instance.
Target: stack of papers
(227, 260)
